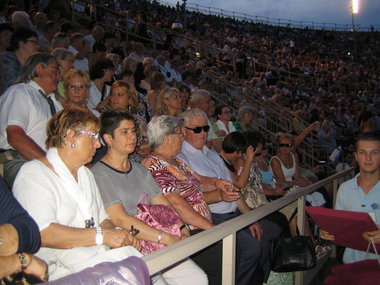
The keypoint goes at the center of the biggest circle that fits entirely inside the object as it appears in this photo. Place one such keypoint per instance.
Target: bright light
(355, 6)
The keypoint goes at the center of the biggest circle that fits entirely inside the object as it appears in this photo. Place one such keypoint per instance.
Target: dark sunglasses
(286, 144)
(198, 130)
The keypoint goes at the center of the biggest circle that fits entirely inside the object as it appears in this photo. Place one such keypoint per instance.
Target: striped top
(181, 180)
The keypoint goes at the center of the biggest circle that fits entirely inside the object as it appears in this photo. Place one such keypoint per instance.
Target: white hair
(160, 127)
(186, 115)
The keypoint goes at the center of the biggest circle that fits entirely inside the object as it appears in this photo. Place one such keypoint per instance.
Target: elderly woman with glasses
(187, 191)
(123, 185)
(76, 84)
(61, 194)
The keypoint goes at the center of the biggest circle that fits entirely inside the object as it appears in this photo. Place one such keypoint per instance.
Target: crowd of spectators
(63, 75)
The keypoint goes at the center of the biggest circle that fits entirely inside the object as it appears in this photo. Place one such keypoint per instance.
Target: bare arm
(121, 219)
(278, 174)
(22, 143)
(64, 237)
(10, 240)
(298, 140)
(242, 178)
(187, 213)
(11, 264)
(299, 179)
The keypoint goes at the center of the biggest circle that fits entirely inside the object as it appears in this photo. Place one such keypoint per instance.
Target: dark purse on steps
(292, 254)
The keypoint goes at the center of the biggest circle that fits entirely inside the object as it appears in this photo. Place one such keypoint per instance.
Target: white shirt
(22, 105)
(207, 162)
(47, 201)
(79, 63)
(222, 126)
(94, 95)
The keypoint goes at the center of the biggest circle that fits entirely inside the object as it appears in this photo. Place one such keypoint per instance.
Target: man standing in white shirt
(253, 243)
(80, 47)
(25, 109)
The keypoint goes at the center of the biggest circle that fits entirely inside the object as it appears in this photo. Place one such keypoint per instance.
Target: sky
(322, 11)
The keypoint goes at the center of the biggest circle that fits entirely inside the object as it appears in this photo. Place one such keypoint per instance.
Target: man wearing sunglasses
(201, 99)
(252, 245)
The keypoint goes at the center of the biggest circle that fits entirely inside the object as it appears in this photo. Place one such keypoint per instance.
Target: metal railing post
(301, 224)
(229, 246)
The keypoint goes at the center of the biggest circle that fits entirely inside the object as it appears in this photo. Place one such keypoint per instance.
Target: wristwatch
(99, 236)
(22, 258)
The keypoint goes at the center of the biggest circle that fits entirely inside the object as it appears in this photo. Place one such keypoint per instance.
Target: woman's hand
(172, 239)
(37, 267)
(375, 236)
(278, 191)
(133, 241)
(115, 238)
(223, 185)
(325, 235)
(256, 230)
(250, 153)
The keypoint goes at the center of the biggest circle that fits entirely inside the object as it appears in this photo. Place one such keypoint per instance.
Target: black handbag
(292, 254)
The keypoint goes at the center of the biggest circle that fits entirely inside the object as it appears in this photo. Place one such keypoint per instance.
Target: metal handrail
(194, 7)
(177, 252)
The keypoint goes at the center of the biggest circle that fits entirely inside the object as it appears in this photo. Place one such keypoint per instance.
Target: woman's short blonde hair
(75, 73)
(285, 136)
(131, 91)
(162, 108)
(70, 119)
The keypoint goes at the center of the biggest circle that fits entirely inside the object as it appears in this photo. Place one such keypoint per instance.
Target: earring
(73, 145)
(109, 146)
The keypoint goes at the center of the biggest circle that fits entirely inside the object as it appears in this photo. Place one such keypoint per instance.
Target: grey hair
(198, 95)
(160, 127)
(29, 71)
(61, 53)
(192, 113)
(245, 110)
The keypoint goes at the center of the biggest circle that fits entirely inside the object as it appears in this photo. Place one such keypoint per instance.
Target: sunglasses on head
(198, 130)
(286, 144)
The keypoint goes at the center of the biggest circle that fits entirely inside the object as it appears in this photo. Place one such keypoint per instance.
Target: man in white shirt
(25, 109)
(200, 99)
(253, 243)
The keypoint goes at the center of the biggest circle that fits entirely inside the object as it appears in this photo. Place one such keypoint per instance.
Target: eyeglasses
(198, 130)
(286, 144)
(77, 87)
(95, 136)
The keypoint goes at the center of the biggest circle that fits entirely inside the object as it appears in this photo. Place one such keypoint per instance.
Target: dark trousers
(210, 260)
(252, 254)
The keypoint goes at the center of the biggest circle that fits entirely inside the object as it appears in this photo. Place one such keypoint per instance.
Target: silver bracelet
(159, 236)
